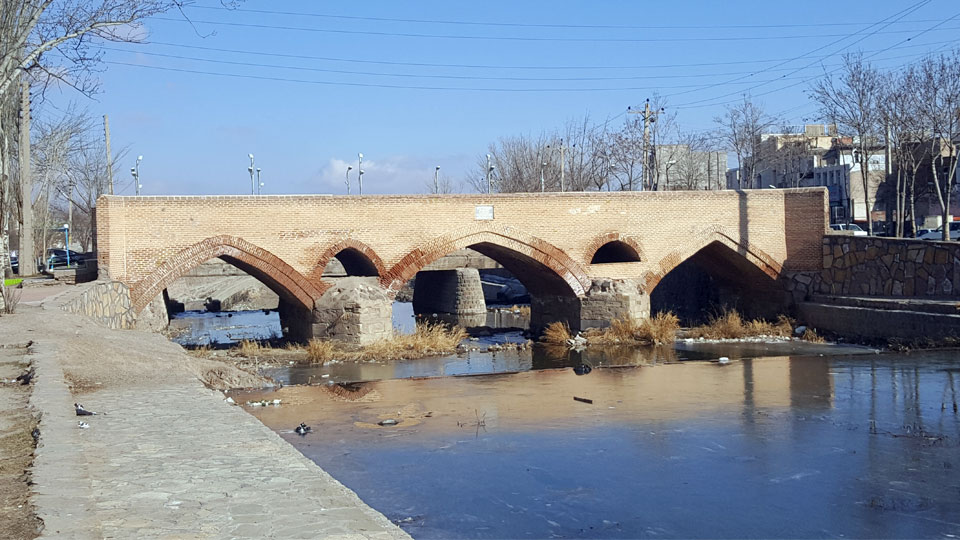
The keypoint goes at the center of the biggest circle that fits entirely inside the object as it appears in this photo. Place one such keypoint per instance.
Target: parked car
(58, 257)
(938, 233)
(849, 227)
(15, 262)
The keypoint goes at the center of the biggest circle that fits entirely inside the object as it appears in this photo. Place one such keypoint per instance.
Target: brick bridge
(584, 257)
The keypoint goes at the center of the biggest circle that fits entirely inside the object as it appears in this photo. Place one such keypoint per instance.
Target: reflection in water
(862, 446)
(204, 328)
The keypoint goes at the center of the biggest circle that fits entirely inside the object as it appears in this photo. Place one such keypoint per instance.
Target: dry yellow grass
(523, 311)
(249, 348)
(731, 325)
(319, 351)
(556, 333)
(661, 328)
(811, 335)
(428, 339)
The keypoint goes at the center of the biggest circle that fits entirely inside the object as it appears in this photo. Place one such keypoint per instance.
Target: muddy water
(768, 447)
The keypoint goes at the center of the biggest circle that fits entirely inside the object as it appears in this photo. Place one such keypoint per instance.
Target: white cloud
(392, 174)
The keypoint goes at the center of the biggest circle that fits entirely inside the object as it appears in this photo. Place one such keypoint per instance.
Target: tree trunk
(28, 257)
(865, 176)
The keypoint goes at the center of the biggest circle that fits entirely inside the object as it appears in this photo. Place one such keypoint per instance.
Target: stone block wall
(869, 266)
(106, 302)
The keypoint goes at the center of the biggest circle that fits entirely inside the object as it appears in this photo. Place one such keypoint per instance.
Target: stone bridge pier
(585, 258)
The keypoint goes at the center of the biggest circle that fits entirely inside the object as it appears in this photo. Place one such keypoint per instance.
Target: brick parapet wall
(778, 229)
(870, 266)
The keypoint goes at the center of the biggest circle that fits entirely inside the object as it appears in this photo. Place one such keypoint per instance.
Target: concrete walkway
(169, 458)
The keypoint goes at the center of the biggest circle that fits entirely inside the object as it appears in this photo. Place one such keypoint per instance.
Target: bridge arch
(540, 266)
(614, 247)
(358, 259)
(280, 277)
(742, 276)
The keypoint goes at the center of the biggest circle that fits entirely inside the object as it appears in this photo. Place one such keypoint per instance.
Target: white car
(938, 234)
(849, 227)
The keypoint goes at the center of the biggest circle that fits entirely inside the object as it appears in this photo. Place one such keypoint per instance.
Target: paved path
(169, 459)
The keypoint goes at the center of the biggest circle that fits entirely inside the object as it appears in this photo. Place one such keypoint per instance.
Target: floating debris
(303, 429)
(388, 422)
(81, 411)
(263, 403)
(83, 425)
(583, 400)
(723, 360)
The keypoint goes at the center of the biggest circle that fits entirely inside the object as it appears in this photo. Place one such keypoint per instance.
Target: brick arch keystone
(606, 238)
(260, 263)
(346, 243)
(756, 256)
(506, 237)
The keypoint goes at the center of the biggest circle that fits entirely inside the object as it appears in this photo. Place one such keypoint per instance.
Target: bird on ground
(81, 411)
(303, 429)
(83, 425)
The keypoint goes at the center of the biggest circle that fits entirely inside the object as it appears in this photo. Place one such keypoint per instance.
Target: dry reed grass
(811, 335)
(731, 325)
(660, 329)
(320, 351)
(556, 333)
(429, 339)
(249, 348)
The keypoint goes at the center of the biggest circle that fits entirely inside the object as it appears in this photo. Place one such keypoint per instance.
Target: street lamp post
(490, 169)
(259, 183)
(135, 172)
(436, 180)
(253, 186)
(542, 165)
(66, 235)
(360, 173)
(347, 180)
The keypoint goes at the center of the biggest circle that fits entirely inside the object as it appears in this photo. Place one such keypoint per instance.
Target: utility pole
(28, 265)
(349, 168)
(542, 165)
(253, 187)
(436, 180)
(561, 165)
(106, 138)
(259, 183)
(648, 118)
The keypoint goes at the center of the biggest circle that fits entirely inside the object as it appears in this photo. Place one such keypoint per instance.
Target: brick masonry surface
(855, 265)
(147, 242)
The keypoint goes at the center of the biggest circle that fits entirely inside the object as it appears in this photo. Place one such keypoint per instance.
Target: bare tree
(899, 115)
(852, 101)
(937, 80)
(48, 41)
(740, 129)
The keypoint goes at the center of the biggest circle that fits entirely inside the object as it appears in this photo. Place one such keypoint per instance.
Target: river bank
(167, 456)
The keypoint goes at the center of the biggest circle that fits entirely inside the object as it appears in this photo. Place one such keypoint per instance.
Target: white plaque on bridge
(483, 213)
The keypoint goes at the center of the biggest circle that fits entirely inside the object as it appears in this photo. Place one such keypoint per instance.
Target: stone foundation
(355, 310)
(610, 299)
(451, 295)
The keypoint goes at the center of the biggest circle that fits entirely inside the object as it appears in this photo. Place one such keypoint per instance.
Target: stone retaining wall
(106, 302)
(869, 266)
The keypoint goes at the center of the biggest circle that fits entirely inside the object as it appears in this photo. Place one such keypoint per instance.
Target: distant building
(677, 167)
(840, 173)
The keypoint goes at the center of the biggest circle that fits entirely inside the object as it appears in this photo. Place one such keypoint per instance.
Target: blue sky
(195, 129)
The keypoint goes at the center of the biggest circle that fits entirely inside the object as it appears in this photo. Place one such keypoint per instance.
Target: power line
(516, 38)
(454, 77)
(883, 23)
(700, 103)
(384, 85)
(490, 66)
(538, 25)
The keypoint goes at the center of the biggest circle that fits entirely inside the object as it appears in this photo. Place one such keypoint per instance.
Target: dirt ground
(16, 448)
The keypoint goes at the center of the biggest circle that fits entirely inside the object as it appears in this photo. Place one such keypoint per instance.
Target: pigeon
(81, 411)
(83, 425)
(303, 429)
(26, 377)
